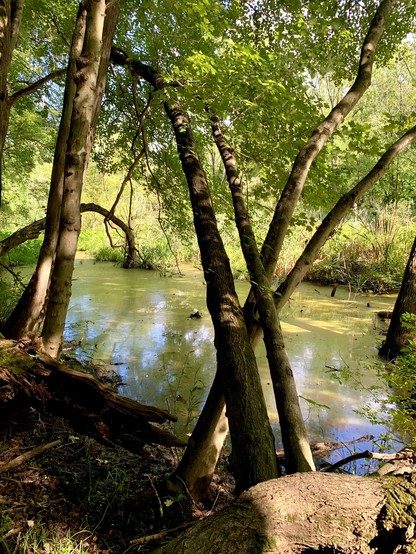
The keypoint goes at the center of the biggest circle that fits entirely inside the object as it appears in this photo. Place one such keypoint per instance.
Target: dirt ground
(80, 493)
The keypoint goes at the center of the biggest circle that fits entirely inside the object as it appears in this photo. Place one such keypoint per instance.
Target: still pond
(140, 322)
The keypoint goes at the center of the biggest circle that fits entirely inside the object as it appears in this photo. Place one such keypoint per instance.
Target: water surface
(141, 322)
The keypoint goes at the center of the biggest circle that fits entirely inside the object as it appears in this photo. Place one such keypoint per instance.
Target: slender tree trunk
(254, 456)
(85, 111)
(253, 453)
(397, 336)
(10, 18)
(294, 437)
(27, 316)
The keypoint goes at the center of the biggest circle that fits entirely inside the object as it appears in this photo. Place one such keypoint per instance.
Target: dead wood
(406, 454)
(19, 460)
(30, 378)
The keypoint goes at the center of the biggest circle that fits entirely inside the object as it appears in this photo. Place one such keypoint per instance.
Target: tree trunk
(89, 81)
(397, 336)
(334, 217)
(253, 451)
(251, 435)
(10, 17)
(308, 513)
(197, 465)
(27, 316)
(294, 437)
(90, 406)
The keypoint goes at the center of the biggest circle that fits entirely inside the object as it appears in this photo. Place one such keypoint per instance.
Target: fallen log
(30, 378)
(310, 512)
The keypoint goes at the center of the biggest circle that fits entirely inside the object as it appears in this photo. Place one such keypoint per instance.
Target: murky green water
(140, 321)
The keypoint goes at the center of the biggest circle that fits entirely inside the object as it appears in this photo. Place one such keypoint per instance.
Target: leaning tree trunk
(251, 435)
(27, 316)
(86, 106)
(397, 335)
(334, 218)
(294, 437)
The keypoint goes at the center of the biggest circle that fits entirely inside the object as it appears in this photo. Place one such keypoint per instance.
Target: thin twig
(28, 455)
(162, 534)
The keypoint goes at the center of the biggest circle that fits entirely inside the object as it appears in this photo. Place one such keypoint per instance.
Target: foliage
(24, 254)
(368, 253)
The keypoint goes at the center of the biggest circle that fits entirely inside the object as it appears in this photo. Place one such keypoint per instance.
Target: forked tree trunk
(253, 451)
(397, 335)
(291, 193)
(294, 437)
(89, 80)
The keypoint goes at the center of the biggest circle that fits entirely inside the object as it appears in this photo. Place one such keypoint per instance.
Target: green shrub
(108, 254)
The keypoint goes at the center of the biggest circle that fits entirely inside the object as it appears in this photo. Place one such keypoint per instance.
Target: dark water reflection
(140, 321)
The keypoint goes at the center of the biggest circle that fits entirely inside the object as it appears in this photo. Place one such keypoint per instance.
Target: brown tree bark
(90, 81)
(252, 439)
(294, 437)
(27, 316)
(10, 19)
(397, 336)
(253, 452)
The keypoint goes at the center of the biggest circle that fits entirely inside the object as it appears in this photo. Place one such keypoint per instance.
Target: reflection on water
(140, 321)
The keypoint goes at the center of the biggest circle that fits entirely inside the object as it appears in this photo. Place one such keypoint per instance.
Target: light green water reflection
(141, 322)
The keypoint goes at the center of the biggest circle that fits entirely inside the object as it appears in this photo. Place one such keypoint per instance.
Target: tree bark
(27, 316)
(253, 452)
(308, 513)
(91, 407)
(334, 217)
(291, 193)
(294, 437)
(397, 336)
(10, 18)
(251, 435)
(89, 80)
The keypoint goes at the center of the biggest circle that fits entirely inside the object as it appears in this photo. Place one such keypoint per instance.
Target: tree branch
(36, 85)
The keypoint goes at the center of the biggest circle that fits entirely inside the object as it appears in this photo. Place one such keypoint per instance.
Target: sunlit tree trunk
(27, 315)
(397, 335)
(85, 111)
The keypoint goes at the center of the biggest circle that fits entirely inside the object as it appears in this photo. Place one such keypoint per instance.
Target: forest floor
(82, 497)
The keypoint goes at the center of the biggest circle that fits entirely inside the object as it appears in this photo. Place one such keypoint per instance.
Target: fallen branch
(19, 460)
(405, 454)
(162, 534)
(320, 449)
